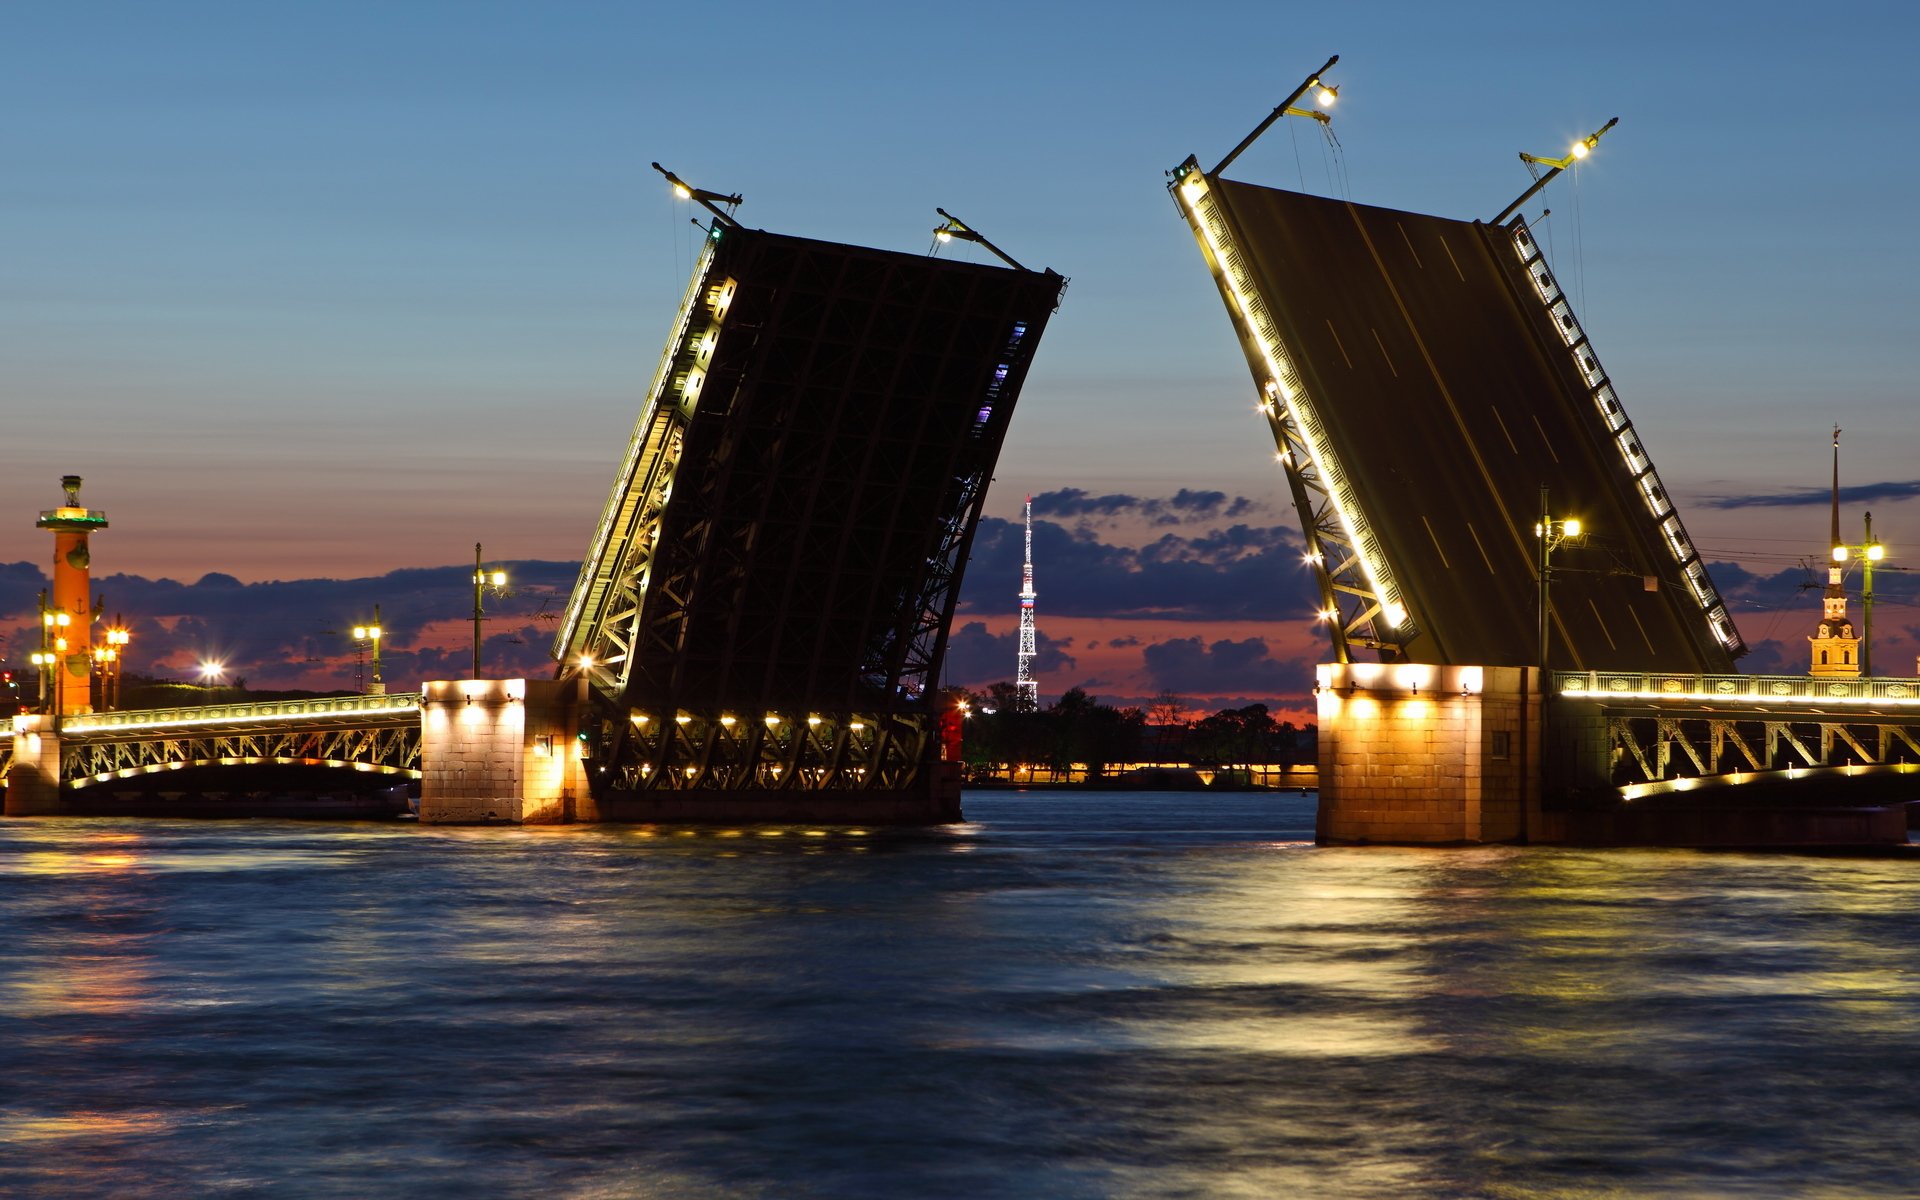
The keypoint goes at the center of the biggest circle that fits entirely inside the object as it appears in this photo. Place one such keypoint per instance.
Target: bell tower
(1835, 647)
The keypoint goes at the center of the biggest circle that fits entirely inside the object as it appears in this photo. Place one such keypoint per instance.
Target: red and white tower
(1027, 686)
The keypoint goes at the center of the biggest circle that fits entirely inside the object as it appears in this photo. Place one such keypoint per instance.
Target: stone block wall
(501, 751)
(1414, 753)
(33, 781)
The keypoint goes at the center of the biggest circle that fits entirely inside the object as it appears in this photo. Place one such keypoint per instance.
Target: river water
(1077, 994)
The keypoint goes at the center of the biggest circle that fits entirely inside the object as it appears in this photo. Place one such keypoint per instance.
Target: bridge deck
(1451, 383)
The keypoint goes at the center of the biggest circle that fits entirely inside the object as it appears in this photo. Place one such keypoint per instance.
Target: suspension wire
(1339, 160)
(1580, 249)
(1293, 132)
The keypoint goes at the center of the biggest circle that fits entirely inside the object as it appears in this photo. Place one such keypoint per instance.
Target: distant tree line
(1001, 732)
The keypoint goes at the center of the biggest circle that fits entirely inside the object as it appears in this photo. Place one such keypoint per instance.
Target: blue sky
(328, 290)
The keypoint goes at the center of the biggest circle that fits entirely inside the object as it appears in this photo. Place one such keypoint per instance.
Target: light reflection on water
(1076, 994)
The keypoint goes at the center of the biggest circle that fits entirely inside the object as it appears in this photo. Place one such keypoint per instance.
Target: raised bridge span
(1437, 409)
(762, 612)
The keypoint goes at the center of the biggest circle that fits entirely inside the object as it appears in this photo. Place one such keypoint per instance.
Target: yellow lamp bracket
(952, 227)
(1580, 150)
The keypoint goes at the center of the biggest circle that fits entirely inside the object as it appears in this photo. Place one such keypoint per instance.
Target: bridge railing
(143, 721)
(1736, 689)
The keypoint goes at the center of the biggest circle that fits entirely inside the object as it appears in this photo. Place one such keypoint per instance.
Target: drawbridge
(1424, 379)
(1484, 518)
(763, 609)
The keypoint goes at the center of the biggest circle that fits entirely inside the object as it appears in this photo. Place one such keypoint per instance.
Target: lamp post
(53, 654)
(1870, 552)
(117, 637)
(1549, 534)
(371, 633)
(210, 675)
(482, 580)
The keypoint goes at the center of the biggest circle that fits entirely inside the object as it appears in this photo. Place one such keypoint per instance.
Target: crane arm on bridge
(954, 227)
(1581, 149)
(1286, 108)
(710, 201)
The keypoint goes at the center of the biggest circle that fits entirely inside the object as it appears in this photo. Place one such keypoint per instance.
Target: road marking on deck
(1437, 548)
(1503, 427)
(1611, 644)
(1384, 354)
(1543, 436)
(1338, 344)
(1409, 242)
(1481, 548)
(1642, 629)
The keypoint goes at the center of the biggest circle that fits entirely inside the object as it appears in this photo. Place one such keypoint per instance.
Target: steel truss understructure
(1359, 598)
(386, 741)
(1654, 748)
(765, 602)
(1669, 733)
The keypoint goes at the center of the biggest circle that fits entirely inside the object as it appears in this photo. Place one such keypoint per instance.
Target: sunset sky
(317, 293)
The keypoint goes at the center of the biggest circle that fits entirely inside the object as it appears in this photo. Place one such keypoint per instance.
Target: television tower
(1026, 686)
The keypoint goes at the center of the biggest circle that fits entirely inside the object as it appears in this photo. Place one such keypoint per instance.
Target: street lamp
(43, 662)
(482, 580)
(1870, 552)
(1549, 534)
(53, 653)
(371, 633)
(211, 673)
(117, 638)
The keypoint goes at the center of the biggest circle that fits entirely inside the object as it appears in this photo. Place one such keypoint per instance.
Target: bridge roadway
(1430, 373)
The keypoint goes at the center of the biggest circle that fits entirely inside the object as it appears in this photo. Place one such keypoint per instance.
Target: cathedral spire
(1836, 543)
(1834, 648)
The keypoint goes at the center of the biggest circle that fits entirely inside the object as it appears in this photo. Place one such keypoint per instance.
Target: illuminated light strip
(617, 499)
(1280, 369)
(1639, 464)
(1734, 779)
(238, 719)
(1746, 698)
(157, 768)
(1747, 689)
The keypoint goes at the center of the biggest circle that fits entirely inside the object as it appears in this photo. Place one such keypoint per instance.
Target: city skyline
(329, 296)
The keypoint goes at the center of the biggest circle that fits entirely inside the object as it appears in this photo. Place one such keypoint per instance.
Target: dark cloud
(296, 633)
(976, 657)
(1242, 572)
(1864, 493)
(1189, 666)
(1187, 504)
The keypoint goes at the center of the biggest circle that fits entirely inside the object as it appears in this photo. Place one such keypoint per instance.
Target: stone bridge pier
(503, 751)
